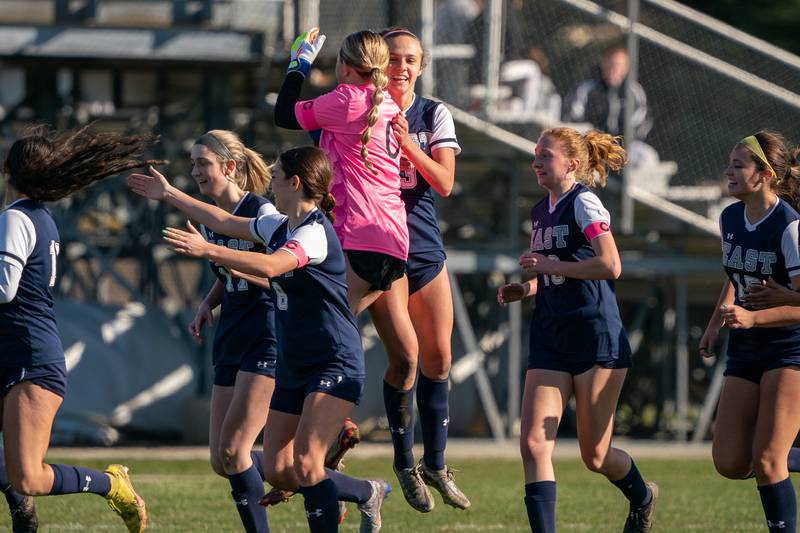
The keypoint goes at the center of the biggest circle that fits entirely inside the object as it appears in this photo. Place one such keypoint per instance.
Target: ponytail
(605, 152)
(326, 204)
(255, 171)
(781, 161)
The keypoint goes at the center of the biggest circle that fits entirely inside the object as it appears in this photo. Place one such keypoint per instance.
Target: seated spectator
(601, 100)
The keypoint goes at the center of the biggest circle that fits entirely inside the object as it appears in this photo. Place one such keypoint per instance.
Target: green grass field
(184, 496)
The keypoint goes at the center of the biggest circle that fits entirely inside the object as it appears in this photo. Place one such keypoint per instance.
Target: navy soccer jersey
(246, 325)
(752, 252)
(430, 126)
(576, 318)
(316, 330)
(29, 241)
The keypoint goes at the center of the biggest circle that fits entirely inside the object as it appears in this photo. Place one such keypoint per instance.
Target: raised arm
(304, 50)
(156, 187)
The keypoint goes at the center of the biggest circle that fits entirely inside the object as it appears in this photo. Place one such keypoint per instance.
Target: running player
(320, 370)
(578, 346)
(245, 347)
(428, 144)
(40, 167)
(757, 419)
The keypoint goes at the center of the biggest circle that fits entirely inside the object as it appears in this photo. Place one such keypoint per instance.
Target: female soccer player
(320, 370)
(359, 139)
(41, 167)
(245, 346)
(355, 119)
(757, 417)
(428, 146)
(577, 343)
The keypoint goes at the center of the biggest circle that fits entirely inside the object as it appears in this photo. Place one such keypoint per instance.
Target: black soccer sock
(13, 497)
(634, 488)
(540, 502)
(322, 506)
(350, 489)
(400, 413)
(73, 479)
(432, 401)
(780, 506)
(247, 488)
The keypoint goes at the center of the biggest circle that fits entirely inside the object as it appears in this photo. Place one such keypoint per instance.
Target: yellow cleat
(122, 498)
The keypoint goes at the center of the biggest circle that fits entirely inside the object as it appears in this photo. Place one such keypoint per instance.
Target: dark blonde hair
(252, 173)
(368, 54)
(314, 170)
(48, 165)
(597, 152)
(784, 163)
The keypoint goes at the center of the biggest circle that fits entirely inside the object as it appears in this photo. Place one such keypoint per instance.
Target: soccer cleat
(23, 517)
(416, 493)
(124, 501)
(371, 509)
(349, 437)
(444, 481)
(276, 496)
(641, 520)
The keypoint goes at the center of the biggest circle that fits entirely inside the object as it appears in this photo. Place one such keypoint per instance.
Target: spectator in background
(601, 100)
(453, 25)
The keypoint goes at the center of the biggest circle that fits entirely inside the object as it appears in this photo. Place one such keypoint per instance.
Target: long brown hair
(314, 170)
(368, 54)
(597, 152)
(48, 165)
(252, 173)
(783, 160)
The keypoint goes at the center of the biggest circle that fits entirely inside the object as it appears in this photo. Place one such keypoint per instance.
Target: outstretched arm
(258, 264)
(156, 187)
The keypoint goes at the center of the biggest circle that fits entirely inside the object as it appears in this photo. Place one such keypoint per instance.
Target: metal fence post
(626, 200)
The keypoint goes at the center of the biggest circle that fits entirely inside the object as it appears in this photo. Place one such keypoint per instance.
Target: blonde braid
(380, 81)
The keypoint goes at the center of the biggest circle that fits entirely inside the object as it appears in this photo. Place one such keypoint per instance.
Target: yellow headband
(753, 145)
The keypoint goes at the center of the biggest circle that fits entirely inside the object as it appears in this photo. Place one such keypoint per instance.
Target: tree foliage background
(775, 21)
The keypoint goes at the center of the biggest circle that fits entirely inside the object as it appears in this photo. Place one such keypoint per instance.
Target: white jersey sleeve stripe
(313, 242)
(444, 130)
(790, 247)
(17, 237)
(590, 215)
(264, 226)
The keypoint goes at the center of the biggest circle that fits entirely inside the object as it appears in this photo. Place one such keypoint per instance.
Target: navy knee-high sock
(350, 489)
(72, 479)
(633, 487)
(540, 502)
(780, 506)
(13, 497)
(434, 411)
(794, 460)
(247, 488)
(258, 461)
(322, 506)
(400, 413)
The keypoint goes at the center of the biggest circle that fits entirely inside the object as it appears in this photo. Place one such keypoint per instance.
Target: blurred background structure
(680, 86)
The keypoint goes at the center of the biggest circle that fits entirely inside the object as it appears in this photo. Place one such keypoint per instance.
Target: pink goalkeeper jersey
(370, 215)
